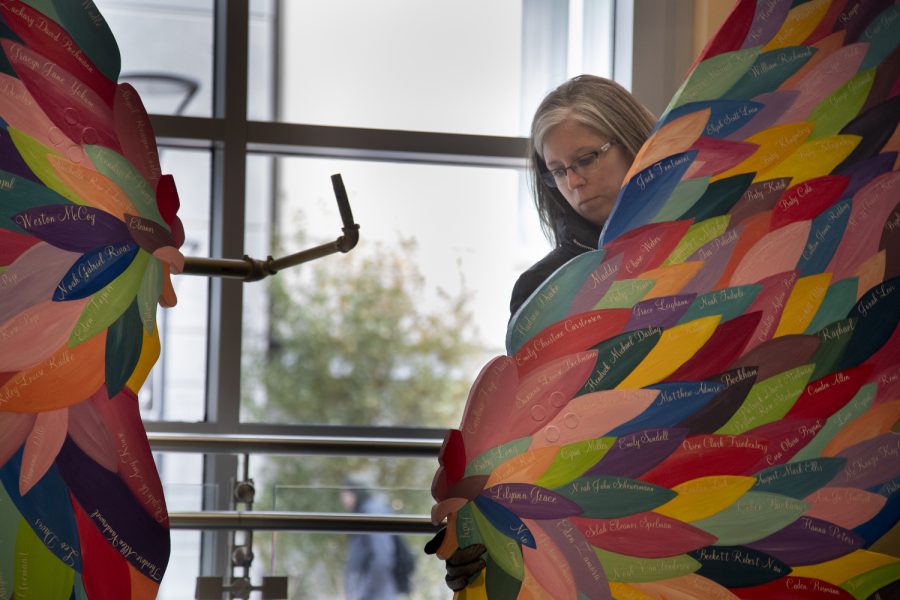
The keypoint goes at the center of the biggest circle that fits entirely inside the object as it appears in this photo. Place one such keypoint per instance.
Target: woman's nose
(573, 179)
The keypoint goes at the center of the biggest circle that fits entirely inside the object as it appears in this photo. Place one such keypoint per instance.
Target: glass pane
(263, 41)
(596, 38)
(176, 388)
(180, 474)
(167, 52)
(320, 565)
(316, 483)
(402, 64)
(183, 568)
(462, 67)
(395, 331)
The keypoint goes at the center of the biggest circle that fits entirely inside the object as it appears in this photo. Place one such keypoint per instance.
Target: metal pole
(251, 269)
(293, 444)
(284, 521)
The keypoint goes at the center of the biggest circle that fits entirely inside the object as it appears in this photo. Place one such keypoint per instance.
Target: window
(166, 49)
(421, 106)
(394, 64)
(449, 239)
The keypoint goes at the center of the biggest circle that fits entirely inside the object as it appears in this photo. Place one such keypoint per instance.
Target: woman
(584, 137)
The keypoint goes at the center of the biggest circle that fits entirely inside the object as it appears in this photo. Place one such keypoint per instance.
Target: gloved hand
(462, 565)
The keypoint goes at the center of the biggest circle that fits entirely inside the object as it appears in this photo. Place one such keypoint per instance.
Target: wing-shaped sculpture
(88, 238)
(704, 406)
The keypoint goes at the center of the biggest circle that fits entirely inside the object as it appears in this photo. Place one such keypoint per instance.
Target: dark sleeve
(525, 285)
(532, 279)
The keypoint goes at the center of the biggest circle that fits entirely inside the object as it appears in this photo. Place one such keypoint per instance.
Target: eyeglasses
(580, 166)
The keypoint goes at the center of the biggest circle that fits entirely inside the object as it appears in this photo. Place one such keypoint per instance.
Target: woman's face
(591, 191)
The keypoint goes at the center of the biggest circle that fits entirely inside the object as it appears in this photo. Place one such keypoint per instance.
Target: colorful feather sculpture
(88, 238)
(704, 406)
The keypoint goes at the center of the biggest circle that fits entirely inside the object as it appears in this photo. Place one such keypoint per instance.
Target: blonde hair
(597, 103)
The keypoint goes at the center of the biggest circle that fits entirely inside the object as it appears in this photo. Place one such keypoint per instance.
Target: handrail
(302, 521)
(293, 444)
(297, 444)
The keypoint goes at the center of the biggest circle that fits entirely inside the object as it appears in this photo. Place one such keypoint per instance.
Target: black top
(574, 235)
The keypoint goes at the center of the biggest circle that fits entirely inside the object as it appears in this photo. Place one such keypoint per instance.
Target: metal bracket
(252, 269)
(212, 588)
(239, 587)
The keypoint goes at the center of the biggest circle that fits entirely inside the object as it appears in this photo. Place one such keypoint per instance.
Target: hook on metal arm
(252, 269)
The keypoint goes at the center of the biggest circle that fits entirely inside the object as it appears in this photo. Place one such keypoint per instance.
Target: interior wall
(662, 50)
(708, 17)
(668, 36)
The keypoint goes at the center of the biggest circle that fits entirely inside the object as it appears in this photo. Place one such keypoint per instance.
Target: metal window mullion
(227, 206)
(231, 24)
(377, 143)
(346, 142)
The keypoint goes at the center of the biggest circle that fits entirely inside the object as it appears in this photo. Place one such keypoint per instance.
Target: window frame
(231, 137)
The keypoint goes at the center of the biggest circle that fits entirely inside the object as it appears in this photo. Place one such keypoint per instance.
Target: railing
(297, 444)
(293, 444)
(305, 521)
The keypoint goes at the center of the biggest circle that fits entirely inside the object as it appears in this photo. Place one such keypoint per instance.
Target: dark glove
(463, 565)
